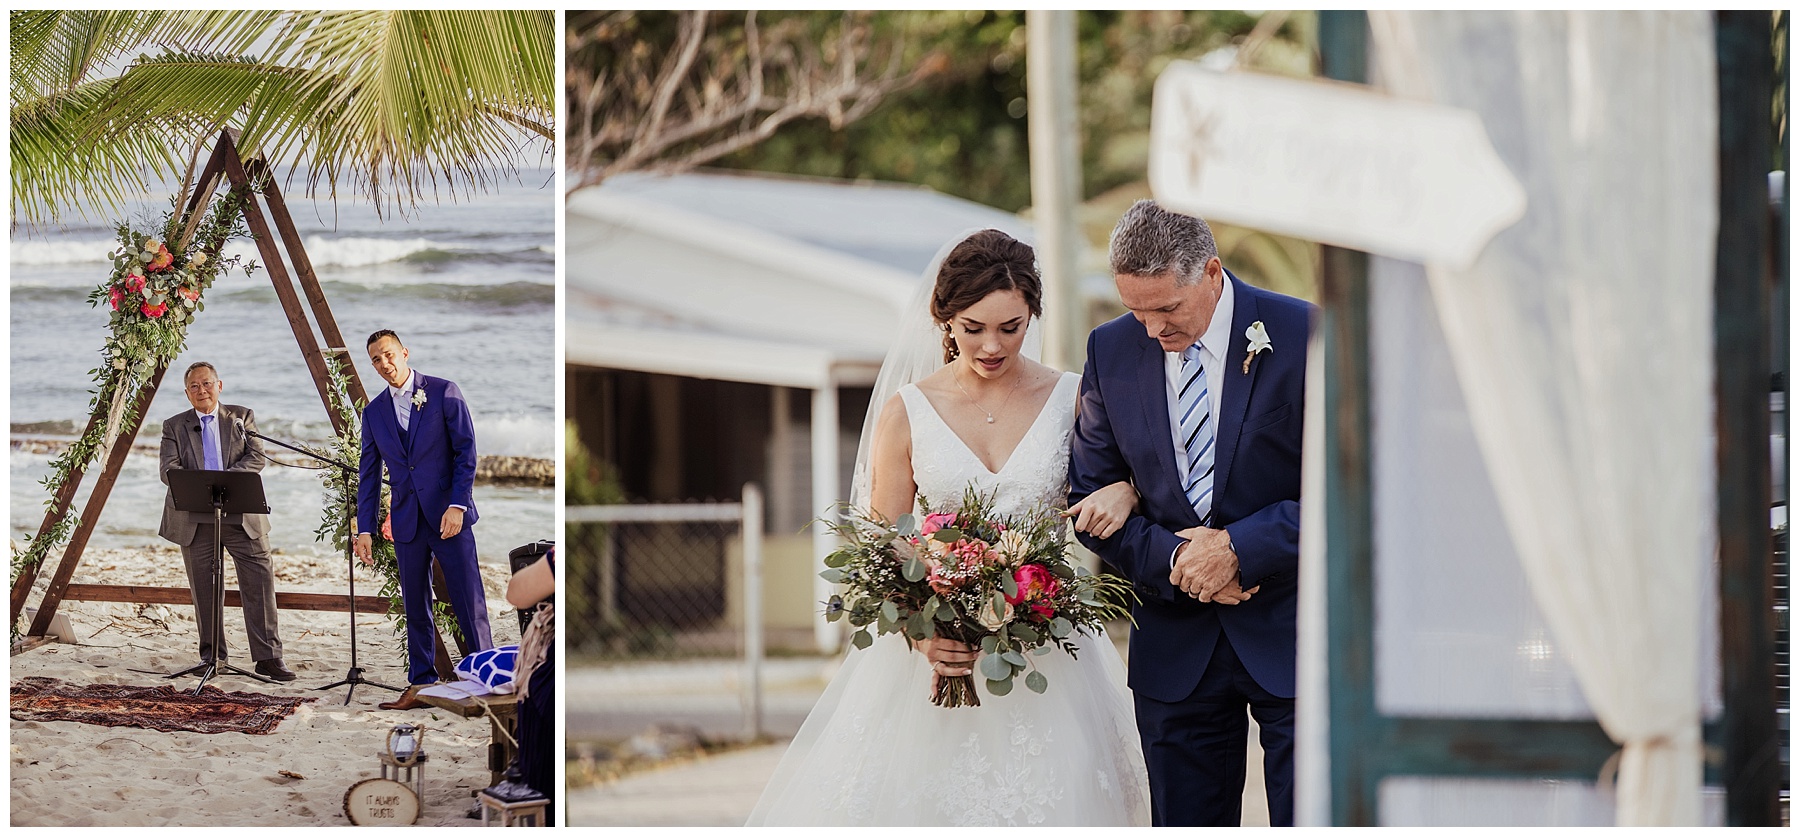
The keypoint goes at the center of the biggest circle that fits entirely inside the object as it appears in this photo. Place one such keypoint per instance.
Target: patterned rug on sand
(162, 708)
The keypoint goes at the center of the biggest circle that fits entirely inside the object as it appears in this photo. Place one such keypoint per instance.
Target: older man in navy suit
(420, 430)
(1196, 397)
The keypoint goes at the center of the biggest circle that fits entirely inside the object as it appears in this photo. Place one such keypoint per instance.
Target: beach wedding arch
(155, 290)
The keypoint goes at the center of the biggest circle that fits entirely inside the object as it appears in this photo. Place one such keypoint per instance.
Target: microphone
(239, 420)
(196, 428)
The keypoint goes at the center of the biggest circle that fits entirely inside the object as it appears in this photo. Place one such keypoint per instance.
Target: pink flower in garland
(134, 282)
(117, 294)
(162, 260)
(155, 311)
(187, 293)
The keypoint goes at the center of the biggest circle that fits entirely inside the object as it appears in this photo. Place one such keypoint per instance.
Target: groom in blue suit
(1196, 397)
(420, 429)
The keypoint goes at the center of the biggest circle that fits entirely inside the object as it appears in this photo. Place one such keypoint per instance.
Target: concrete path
(714, 791)
(616, 702)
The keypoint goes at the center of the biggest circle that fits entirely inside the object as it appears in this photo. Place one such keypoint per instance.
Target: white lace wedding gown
(876, 751)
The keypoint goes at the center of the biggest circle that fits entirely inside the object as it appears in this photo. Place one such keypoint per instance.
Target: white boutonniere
(418, 398)
(1259, 342)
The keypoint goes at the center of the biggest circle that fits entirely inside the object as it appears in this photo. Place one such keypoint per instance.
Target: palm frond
(397, 103)
(51, 174)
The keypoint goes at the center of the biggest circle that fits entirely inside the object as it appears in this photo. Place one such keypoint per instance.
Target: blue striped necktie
(1194, 407)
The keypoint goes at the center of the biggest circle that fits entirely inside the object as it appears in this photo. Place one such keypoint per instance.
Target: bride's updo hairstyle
(983, 263)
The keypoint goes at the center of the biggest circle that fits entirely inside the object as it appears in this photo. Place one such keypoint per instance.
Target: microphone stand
(355, 676)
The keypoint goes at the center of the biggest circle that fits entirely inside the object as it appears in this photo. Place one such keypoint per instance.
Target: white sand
(73, 774)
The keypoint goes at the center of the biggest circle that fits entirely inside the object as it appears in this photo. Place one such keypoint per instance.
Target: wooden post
(1349, 493)
(65, 569)
(1741, 356)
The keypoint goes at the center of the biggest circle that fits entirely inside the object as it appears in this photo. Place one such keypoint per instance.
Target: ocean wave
(62, 251)
(350, 252)
(502, 295)
(515, 435)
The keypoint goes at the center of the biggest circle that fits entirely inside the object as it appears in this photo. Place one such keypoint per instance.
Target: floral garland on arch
(336, 527)
(156, 288)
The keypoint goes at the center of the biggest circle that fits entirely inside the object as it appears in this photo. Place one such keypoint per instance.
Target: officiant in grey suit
(210, 437)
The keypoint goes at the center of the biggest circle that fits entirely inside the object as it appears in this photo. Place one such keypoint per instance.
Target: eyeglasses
(203, 386)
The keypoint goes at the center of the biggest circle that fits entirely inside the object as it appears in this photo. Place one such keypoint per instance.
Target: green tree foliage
(962, 130)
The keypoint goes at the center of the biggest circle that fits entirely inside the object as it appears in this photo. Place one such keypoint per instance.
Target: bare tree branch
(718, 87)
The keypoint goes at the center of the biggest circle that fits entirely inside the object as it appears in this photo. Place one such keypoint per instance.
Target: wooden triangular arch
(251, 179)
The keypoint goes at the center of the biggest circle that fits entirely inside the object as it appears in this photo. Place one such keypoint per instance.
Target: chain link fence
(652, 584)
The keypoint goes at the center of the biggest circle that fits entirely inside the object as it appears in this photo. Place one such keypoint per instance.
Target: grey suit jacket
(182, 448)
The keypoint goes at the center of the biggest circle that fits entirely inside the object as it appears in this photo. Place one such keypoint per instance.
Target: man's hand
(365, 549)
(451, 524)
(1206, 567)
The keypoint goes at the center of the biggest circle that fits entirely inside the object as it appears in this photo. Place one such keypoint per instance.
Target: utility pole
(1050, 77)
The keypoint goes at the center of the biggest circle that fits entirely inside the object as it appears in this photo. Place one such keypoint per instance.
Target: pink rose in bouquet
(934, 522)
(155, 311)
(1036, 586)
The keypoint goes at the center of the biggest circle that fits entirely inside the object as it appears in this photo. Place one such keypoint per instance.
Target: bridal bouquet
(1006, 585)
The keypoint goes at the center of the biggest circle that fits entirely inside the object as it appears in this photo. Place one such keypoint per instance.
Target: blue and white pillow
(492, 668)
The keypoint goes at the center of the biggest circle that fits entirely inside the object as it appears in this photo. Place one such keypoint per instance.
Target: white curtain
(1583, 340)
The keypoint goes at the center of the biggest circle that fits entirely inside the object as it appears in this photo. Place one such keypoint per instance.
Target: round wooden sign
(381, 802)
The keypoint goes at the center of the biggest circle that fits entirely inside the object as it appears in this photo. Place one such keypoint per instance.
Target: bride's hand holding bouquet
(1007, 586)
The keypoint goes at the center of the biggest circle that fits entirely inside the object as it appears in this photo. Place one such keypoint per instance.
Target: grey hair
(198, 365)
(1151, 241)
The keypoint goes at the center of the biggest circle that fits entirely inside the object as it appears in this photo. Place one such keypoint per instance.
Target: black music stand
(198, 491)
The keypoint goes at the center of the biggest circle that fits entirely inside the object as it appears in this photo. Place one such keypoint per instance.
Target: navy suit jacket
(430, 470)
(1122, 432)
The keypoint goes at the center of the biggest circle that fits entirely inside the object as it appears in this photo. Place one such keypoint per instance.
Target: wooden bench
(502, 712)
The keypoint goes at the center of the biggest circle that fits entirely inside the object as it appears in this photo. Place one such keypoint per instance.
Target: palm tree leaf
(398, 103)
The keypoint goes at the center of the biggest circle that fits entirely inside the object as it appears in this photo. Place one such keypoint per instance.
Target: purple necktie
(209, 444)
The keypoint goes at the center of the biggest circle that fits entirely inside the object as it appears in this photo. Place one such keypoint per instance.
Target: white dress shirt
(403, 406)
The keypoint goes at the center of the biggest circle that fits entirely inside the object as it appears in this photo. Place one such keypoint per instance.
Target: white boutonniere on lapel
(418, 399)
(1259, 342)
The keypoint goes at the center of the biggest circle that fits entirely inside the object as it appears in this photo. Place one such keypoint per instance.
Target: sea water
(469, 284)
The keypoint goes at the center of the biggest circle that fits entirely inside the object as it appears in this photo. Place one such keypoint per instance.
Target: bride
(969, 408)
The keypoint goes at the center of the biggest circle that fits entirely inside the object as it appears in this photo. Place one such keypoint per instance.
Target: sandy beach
(75, 774)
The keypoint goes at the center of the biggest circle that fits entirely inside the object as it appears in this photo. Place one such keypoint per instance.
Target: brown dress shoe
(408, 699)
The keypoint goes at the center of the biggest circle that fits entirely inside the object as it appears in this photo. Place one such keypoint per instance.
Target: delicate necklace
(990, 416)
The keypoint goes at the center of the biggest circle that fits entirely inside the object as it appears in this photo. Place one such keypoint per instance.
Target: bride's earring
(950, 351)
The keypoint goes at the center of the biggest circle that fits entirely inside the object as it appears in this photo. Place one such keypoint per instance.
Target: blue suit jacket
(1122, 432)
(431, 470)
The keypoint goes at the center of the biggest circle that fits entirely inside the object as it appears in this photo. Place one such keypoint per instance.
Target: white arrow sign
(1329, 162)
